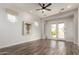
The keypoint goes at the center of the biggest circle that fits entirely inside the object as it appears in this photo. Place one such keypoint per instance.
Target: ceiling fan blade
(48, 5)
(38, 9)
(48, 9)
(40, 4)
(43, 5)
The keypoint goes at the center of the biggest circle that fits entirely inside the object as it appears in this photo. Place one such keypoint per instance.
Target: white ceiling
(56, 8)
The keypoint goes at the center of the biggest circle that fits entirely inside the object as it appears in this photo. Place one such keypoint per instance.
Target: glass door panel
(61, 30)
(53, 31)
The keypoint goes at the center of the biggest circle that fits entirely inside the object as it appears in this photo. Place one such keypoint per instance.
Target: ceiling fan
(44, 7)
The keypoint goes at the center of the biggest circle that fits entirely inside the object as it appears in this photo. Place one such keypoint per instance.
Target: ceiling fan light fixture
(43, 10)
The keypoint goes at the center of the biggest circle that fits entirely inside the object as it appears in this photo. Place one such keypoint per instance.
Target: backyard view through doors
(57, 31)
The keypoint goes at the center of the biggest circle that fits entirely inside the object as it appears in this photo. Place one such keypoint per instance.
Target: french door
(57, 31)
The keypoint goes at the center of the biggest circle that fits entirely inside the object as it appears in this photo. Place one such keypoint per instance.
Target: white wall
(69, 29)
(11, 33)
(78, 26)
(68, 21)
(43, 24)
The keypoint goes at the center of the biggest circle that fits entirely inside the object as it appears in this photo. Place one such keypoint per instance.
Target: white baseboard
(16, 43)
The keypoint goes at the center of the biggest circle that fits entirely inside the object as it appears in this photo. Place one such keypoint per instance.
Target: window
(11, 18)
(11, 15)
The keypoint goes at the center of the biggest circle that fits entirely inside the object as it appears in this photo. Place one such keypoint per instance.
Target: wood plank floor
(42, 47)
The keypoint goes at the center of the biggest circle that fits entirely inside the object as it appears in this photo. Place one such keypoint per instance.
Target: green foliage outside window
(53, 32)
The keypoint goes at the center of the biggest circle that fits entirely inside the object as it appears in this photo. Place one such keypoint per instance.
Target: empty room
(39, 29)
